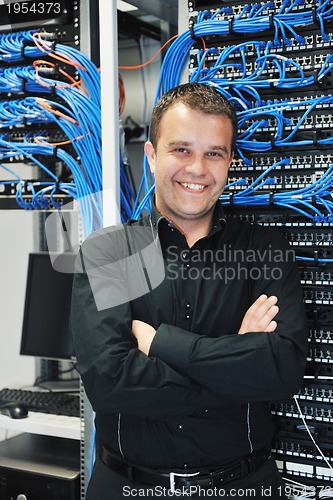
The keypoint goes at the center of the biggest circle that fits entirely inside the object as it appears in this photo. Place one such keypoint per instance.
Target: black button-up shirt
(202, 395)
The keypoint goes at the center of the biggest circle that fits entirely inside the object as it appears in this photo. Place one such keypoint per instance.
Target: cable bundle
(270, 71)
(310, 197)
(265, 124)
(74, 105)
(251, 21)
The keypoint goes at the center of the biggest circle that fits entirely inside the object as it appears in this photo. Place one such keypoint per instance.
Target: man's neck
(196, 232)
(193, 230)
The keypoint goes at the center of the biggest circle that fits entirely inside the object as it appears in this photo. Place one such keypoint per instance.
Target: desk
(45, 424)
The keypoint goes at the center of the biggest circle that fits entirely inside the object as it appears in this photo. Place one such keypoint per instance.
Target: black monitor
(45, 332)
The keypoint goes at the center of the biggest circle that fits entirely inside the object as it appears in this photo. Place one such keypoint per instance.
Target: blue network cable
(243, 89)
(258, 79)
(90, 202)
(285, 21)
(305, 201)
(74, 107)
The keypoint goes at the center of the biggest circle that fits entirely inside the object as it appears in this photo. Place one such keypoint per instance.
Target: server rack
(41, 167)
(274, 61)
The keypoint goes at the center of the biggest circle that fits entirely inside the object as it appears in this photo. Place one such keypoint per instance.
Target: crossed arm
(259, 317)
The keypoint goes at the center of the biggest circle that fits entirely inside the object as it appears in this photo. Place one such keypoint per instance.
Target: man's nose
(197, 166)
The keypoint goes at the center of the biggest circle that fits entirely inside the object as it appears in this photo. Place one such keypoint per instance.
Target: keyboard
(57, 403)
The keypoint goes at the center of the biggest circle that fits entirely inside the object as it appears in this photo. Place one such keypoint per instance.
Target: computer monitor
(45, 332)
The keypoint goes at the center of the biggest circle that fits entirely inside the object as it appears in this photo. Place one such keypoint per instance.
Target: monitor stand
(66, 385)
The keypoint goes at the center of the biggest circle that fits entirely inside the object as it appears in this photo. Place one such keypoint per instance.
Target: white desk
(45, 424)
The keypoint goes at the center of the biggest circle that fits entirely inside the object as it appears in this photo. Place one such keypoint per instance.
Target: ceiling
(166, 10)
(151, 13)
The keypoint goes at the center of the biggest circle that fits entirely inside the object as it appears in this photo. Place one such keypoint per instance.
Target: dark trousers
(106, 484)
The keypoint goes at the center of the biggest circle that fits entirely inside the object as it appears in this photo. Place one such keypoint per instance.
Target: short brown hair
(198, 96)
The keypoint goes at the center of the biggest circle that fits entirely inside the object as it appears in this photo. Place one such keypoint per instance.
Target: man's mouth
(195, 187)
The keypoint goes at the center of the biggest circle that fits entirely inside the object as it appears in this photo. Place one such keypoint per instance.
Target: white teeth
(197, 187)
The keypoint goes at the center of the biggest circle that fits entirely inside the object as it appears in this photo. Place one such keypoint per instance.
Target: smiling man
(181, 377)
(190, 164)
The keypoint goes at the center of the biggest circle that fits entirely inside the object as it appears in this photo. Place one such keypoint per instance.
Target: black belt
(186, 479)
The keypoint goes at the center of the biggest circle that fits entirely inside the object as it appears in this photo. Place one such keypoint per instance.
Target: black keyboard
(57, 403)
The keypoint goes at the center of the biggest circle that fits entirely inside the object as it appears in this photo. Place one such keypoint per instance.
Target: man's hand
(259, 317)
(144, 334)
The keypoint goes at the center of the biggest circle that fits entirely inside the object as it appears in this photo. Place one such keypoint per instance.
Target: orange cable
(152, 58)
(47, 106)
(53, 53)
(45, 84)
(63, 143)
(155, 55)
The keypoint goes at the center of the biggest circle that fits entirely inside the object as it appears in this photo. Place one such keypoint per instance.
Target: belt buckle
(173, 475)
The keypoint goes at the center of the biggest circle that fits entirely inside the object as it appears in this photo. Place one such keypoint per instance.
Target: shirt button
(185, 255)
(187, 305)
(188, 266)
(180, 426)
(185, 466)
(187, 316)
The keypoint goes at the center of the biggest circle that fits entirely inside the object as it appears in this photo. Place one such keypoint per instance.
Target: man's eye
(215, 154)
(181, 150)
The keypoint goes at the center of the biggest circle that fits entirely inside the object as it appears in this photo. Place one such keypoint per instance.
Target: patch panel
(11, 188)
(260, 162)
(304, 451)
(275, 217)
(309, 236)
(9, 202)
(237, 6)
(277, 180)
(49, 134)
(19, 81)
(313, 45)
(245, 65)
(314, 275)
(320, 355)
(318, 295)
(316, 390)
(321, 335)
(315, 121)
(319, 413)
(306, 469)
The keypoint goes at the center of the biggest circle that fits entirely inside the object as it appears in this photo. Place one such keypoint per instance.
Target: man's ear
(151, 156)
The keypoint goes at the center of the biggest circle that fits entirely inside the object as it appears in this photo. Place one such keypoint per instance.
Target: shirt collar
(219, 222)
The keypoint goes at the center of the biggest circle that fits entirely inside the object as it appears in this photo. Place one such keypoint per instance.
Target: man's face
(190, 163)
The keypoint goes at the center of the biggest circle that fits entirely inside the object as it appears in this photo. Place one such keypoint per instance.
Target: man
(181, 376)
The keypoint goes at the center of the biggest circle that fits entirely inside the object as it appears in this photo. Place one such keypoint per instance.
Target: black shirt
(202, 395)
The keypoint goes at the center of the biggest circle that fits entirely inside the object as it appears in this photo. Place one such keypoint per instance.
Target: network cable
(285, 21)
(76, 111)
(244, 89)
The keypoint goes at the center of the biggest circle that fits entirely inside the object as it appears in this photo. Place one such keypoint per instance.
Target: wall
(16, 242)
